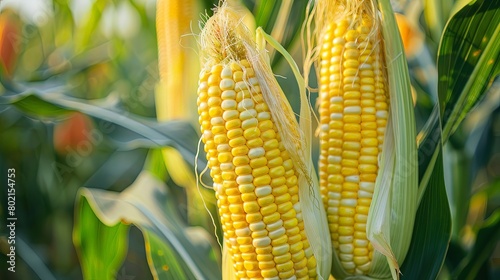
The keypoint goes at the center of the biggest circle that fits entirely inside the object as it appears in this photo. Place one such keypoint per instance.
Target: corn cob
(361, 63)
(353, 108)
(255, 174)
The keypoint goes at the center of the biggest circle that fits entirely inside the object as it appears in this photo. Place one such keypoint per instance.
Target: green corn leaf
(487, 237)
(91, 23)
(102, 248)
(127, 131)
(31, 105)
(174, 250)
(432, 230)
(468, 60)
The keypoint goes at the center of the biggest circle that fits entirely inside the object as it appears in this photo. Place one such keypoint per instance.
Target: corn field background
(105, 150)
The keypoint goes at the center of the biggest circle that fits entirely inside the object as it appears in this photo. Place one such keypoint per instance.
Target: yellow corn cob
(353, 108)
(254, 176)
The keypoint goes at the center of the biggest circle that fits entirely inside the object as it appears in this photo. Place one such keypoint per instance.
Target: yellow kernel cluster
(254, 178)
(353, 115)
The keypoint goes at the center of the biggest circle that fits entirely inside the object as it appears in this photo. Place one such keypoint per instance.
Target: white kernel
(352, 178)
(346, 239)
(230, 115)
(229, 104)
(228, 94)
(256, 152)
(246, 104)
(381, 114)
(360, 243)
(352, 110)
(203, 87)
(263, 191)
(333, 210)
(337, 99)
(338, 41)
(345, 257)
(348, 265)
(299, 216)
(261, 242)
(297, 207)
(334, 195)
(308, 252)
(248, 114)
(243, 179)
(367, 186)
(336, 116)
(334, 159)
(364, 66)
(333, 202)
(281, 249)
(217, 121)
(264, 116)
(208, 134)
(325, 127)
(223, 148)
(226, 72)
(257, 226)
(364, 194)
(253, 122)
(346, 248)
(227, 166)
(367, 88)
(362, 269)
(350, 202)
(243, 232)
(274, 226)
(277, 233)
(253, 81)
(361, 218)
(226, 84)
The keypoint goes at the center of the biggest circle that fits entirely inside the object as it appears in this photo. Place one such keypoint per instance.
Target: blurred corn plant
(98, 116)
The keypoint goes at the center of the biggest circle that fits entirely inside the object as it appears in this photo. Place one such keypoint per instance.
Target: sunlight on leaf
(148, 205)
(468, 60)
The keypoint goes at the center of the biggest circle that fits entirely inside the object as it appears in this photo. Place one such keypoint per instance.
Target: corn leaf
(429, 145)
(101, 248)
(487, 237)
(127, 131)
(91, 23)
(112, 169)
(435, 18)
(468, 60)
(432, 230)
(174, 250)
(281, 19)
(31, 105)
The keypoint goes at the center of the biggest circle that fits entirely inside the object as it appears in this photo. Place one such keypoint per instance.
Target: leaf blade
(468, 60)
